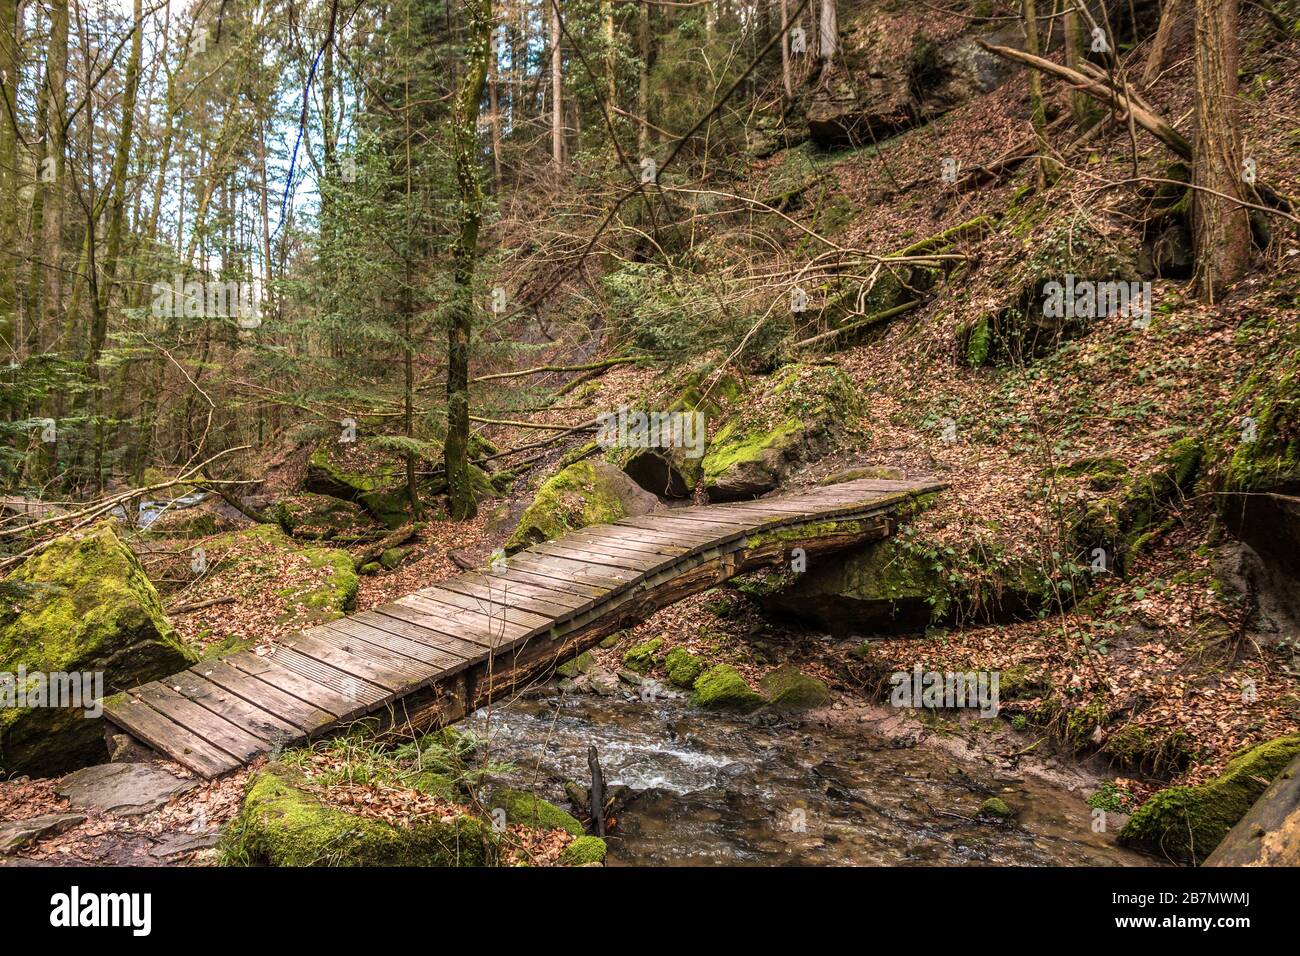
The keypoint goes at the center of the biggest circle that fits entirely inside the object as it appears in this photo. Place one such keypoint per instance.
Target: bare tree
(557, 90)
(1220, 223)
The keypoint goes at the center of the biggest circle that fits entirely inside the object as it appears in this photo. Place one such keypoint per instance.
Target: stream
(723, 790)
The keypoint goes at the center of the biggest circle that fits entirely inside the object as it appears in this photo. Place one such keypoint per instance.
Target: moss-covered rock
(576, 665)
(282, 823)
(641, 657)
(532, 811)
(722, 688)
(1259, 450)
(1124, 521)
(805, 406)
(683, 667)
(996, 807)
(85, 606)
(583, 494)
(584, 851)
(319, 517)
(1187, 823)
(788, 688)
(379, 490)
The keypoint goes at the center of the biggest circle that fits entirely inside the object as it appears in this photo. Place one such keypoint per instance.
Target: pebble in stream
(720, 790)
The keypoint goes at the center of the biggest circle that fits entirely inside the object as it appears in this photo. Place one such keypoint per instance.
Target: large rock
(585, 493)
(282, 823)
(1187, 823)
(801, 411)
(86, 606)
(378, 488)
(126, 789)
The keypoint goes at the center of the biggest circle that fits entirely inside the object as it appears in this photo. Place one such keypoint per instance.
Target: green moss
(382, 495)
(282, 824)
(532, 811)
(1271, 397)
(979, 338)
(1187, 823)
(683, 667)
(642, 657)
(574, 498)
(787, 688)
(87, 607)
(722, 688)
(576, 665)
(584, 851)
(996, 807)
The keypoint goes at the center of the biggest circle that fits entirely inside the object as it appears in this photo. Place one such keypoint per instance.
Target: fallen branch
(199, 605)
(539, 369)
(869, 320)
(1103, 93)
(400, 536)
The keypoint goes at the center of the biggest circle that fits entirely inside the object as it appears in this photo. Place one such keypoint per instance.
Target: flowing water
(715, 790)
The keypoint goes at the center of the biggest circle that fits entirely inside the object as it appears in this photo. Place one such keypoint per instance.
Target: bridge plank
(298, 685)
(301, 714)
(424, 654)
(620, 544)
(169, 738)
(474, 626)
(519, 595)
(625, 560)
(405, 670)
(494, 608)
(416, 625)
(612, 578)
(591, 592)
(261, 723)
(342, 656)
(216, 730)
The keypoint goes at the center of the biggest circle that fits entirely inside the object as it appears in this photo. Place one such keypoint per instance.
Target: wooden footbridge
(434, 656)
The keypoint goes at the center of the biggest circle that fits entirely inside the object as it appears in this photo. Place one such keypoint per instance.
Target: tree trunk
(1160, 45)
(1037, 112)
(117, 189)
(56, 96)
(455, 453)
(786, 81)
(557, 90)
(8, 173)
(1221, 227)
(494, 104)
(828, 35)
(1073, 52)
(643, 78)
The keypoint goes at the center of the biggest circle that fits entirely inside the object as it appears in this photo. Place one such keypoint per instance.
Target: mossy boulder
(788, 688)
(319, 517)
(804, 407)
(577, 665)
(996, 807)
(722, 688)
(1259, 450)
(885, 584)
(1124, 521)
(532, 811)
(585, 493)
(1187, 823)
(378, 488)
(584, 851)
(683, 667)
(641, 657)
(282, 823)
(673, 470)
(81, 605)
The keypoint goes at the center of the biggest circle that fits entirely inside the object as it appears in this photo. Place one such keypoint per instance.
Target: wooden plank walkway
(433, 656)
